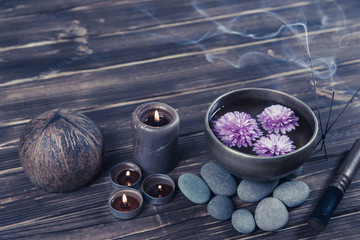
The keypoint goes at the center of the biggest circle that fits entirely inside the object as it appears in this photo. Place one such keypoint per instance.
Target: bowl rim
(236, 152)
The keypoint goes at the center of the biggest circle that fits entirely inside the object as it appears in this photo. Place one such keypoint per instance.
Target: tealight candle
(125, 174)
(156, 120)
(155, 130)
(158, 189)
(125, 203)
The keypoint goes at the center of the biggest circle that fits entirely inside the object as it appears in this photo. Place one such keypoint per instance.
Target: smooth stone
(271, 214)
(218, 179)
(220, 208)
(250, 191)
(194, 188)
(292, 193)
(243, 221)
(295, 174)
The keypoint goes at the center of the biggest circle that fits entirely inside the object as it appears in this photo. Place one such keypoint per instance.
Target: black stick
(348, 103)
(332, 124)
(327, 122)
(317, 102)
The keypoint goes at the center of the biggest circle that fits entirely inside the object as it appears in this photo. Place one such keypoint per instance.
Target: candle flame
(127, 173)
(160, 188)
(156, 116)
(124, 199)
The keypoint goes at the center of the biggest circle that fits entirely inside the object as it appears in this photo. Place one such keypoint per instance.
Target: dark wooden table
(104, 58)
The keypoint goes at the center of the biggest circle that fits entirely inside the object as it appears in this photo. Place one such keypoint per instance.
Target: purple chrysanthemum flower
(273, 145)
(278, 118)
(237, 129)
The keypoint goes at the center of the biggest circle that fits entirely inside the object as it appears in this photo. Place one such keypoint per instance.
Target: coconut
(61, 150)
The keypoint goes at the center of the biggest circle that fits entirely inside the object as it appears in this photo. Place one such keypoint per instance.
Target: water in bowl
(300, 136)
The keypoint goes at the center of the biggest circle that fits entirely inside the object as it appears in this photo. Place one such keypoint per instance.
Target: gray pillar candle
(155, 140)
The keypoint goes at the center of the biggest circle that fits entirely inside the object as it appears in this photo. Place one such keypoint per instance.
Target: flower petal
(273, 145)
(278, 118)
(237, 129)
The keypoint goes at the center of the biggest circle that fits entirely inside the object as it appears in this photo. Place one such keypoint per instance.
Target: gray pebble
(292, 193)
(271, 214)
(220, 207)
(194, 188)
(243, 221)
(250, 191)
(218, 179)
(295, 174)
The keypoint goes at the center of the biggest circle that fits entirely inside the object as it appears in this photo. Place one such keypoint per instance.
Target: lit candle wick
(159, 191)
(124, 203)
(156, 116)
(127, 175)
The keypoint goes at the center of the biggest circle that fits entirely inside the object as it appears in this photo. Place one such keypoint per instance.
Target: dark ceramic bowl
(247, 164)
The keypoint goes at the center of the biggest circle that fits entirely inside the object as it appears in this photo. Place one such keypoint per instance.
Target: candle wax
(150, 120)
(131, 205)
(155, 144)
(154, 190)
(122, 179)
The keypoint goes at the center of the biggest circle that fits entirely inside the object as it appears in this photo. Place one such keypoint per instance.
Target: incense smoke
(226, 33)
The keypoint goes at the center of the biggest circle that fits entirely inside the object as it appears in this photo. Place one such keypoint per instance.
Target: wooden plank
(104, 58)
(74, 36)
(75, 200)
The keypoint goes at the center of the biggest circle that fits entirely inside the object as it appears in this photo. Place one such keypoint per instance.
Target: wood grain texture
(105, 58)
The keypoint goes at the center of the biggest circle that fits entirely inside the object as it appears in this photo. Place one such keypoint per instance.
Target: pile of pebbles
(271, 213)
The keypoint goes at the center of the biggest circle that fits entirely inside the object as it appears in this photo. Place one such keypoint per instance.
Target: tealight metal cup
(157, 179)
(129, 192)
(118, 168)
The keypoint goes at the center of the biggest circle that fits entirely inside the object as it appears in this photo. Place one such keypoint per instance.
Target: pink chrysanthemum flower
(237, 129)
(278, 118)
(273, 145)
